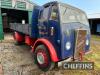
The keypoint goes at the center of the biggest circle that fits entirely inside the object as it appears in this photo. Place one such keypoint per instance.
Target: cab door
(43, 22)
(54, 26)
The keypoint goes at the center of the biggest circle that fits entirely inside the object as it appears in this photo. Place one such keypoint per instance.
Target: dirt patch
(18, 60)
(1, 70)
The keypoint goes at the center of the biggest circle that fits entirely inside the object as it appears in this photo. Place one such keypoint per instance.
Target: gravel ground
(18, 60)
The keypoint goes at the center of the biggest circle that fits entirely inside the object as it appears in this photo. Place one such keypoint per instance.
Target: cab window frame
(57, 13)
(42, 15)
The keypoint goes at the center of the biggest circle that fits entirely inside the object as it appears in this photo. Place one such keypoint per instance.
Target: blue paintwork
(34, 25)
(56, 37)
(62, 33)
(67, 38)
(71, 27)
(53, 39)
(56, 26)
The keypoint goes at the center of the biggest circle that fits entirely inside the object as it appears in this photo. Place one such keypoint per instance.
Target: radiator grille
(80, 43)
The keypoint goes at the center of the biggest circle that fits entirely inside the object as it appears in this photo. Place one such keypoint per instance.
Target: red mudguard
(50, 47)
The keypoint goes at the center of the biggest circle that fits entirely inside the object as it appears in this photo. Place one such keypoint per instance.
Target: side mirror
(53, 15)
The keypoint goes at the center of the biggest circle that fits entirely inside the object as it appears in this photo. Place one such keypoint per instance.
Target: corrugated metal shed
(17, 4)
(94, 16)
(94, 20)
(23, 5)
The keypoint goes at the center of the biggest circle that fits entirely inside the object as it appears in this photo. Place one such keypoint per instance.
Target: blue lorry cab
(61, 28)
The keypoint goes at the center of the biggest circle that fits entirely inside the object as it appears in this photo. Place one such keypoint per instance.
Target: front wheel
(42, 58)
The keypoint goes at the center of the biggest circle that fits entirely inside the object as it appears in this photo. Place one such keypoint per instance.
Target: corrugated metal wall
(16, 4)
(1, 28)
(21, 5)
(6, 3)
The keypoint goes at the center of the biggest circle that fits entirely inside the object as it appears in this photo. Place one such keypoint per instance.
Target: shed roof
(17, 4)
(30, 2)
(94, 16)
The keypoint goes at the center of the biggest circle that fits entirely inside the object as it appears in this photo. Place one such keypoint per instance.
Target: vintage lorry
(58, 32)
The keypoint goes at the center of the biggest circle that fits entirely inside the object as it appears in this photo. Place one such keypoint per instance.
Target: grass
(94, 37)
(94, 56)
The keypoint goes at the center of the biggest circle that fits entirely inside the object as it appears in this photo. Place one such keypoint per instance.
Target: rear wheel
(42, 58)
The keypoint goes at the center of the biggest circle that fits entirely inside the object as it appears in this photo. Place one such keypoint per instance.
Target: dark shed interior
(12, 16)
(93, 25)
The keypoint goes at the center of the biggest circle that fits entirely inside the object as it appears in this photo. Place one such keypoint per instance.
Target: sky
(89, 6)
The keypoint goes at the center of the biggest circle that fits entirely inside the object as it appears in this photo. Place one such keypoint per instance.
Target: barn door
(5, 23)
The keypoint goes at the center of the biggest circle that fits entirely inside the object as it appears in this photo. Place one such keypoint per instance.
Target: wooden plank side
(6, 3)
(23, 28)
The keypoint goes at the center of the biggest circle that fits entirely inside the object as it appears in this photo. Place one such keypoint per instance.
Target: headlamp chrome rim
(68, 45)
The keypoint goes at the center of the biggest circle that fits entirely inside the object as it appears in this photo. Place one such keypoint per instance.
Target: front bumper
(60, 63)
(90, 51)
(70, 59)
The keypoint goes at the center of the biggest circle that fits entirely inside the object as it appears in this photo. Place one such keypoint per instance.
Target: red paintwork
(50, 47)
(29, 41)
(81, 55)
(18, 37)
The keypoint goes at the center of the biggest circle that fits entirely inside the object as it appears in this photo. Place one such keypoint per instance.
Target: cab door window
(44, 13)
(54, 13)
(43, 22)
(54, 23)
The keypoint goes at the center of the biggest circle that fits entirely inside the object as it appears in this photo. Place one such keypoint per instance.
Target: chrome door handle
(51, 31)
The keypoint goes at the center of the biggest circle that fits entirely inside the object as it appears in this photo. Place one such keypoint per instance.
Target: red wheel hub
(42, 57)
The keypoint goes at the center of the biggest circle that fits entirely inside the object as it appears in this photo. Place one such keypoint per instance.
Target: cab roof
(63, 4)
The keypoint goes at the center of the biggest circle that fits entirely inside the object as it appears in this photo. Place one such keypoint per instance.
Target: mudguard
(50, 47)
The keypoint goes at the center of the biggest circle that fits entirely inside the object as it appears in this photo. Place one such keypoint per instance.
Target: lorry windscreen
(70, 15)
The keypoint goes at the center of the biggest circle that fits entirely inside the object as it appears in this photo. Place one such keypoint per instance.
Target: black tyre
(42, 58)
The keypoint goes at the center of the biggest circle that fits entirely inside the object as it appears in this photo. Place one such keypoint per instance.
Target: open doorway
(94, 24)
(12, 16)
